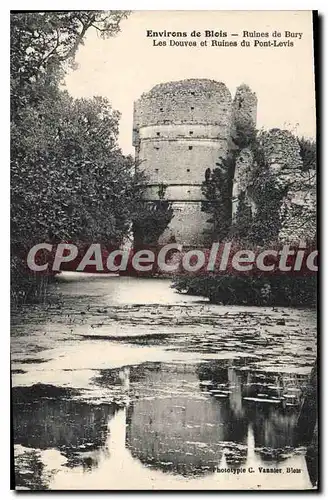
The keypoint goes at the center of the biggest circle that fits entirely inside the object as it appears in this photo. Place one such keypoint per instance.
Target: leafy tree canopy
(43, 44)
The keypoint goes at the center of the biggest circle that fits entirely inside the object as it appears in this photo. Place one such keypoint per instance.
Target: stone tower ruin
(181, 129)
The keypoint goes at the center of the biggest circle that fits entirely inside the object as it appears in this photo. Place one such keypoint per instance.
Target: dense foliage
(150, 221)
(43, 45)
(308, 152)
(248, 229)
(69, 179)
(217, 191)
(279, 290)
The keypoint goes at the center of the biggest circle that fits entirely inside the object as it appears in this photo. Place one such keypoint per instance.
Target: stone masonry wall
(183, 128)
(195, 101)
(179, 161)
(180, 130)
(298, 208)
(244, 107)
(243, 180)
(187, 225)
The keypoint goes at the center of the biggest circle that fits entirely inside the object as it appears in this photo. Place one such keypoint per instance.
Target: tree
(43, 44)
(217, 191)
(308, 152)
(69, 179)
(67, 172)
(151, 218)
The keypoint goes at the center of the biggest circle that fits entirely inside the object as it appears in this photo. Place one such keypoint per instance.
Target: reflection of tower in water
(192, 418)
(117, 427)
(174, 427)
(236, 394)
(180, 431)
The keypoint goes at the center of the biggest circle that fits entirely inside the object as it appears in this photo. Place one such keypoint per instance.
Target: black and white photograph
(164, 257)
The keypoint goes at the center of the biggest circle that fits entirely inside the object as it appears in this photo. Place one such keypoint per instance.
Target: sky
(123, 67)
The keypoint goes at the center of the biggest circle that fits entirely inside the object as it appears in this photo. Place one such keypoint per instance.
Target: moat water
(125, 384)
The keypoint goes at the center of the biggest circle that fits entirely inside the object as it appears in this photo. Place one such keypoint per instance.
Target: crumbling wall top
(189, 86)
(281, 149)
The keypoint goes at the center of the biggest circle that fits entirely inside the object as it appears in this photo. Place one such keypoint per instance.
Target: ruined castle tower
(180, 130)
(298, 208)
(244, 121)
(184, 129)
(283, 164)
(244, 107)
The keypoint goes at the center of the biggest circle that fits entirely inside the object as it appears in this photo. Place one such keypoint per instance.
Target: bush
(279, 290)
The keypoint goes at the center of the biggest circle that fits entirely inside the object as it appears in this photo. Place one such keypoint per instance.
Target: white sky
(124, 67)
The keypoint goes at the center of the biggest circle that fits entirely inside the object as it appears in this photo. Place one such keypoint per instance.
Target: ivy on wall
(268, 197)
(151, 218)
(308, 152)
(217, 190)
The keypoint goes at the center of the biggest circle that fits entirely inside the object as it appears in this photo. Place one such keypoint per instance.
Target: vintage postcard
(164, 250)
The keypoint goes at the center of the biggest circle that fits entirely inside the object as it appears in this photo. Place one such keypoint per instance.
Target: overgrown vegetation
(151, 218)
(69, 179)
(271, 290)
(260, 229)
(308, 152)
(217, 190)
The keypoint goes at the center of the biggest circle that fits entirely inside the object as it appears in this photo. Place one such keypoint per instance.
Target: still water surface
(125, 384)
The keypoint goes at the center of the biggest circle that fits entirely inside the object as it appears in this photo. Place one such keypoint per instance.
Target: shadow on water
(47, 417)
(181, 420)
